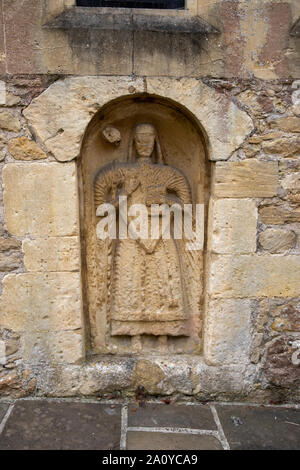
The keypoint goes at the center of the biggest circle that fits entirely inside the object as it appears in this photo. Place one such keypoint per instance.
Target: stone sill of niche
(166, 21)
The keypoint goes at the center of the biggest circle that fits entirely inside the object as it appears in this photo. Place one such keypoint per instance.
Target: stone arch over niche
(184, 148)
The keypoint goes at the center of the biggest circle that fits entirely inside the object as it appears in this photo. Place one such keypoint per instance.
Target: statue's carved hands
(115, 200)
(155, 195)
(173, 199)
(130, 186)
(124, 189)
(158, 195)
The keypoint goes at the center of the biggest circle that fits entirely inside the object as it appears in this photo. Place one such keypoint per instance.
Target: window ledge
(168, 21)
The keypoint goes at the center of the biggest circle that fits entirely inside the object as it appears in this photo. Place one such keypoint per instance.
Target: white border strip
(124, 427)
(222, 436)
(5, 419)
(200, 432)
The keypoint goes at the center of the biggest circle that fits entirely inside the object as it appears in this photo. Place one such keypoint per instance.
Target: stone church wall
(240, 88)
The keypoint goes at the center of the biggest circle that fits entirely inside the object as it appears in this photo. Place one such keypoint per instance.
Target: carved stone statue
(147, 291)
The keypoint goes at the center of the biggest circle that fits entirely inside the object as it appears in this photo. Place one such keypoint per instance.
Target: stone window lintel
(136, 19)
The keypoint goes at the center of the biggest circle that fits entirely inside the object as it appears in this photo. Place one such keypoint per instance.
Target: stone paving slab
(3, 410)
(164, 441)
(82, 425)
(182, 416)
(62, 426)
(253, 428)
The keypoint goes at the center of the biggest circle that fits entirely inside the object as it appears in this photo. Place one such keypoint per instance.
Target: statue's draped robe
(146, 290)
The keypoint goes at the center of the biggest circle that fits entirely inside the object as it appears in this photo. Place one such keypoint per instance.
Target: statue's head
(144, 143)
(144, 140)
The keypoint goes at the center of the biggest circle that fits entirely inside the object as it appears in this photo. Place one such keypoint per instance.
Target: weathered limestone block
(287, 317)
(277, 241)
(23, 148)
(67, 382)
(9, 122)
(282, 364)
(2, 353)
(288, 165)
(226, 125)
(248, 178)
(2, 92)
(286, 146)
(2, 145)
(271, 135)
(286, 124)
(40, 199)
(254, 140)
(221, 381)
(293, 197)
(291, 182)
(12, 347)
(256, 104)
(9, 336)
(31, 385)
(60, 115)
(148, 375)
(10, 261)
(227, 337)
(6, 98)
(251, 150)
(58, 347)
(178, 375)
(109, 375)
(41, 302)
(232, 226)
(254, 276)
(9, 348)
(10, 384)
(296, 109)
(11, 243)
(188, 375)
(278, 214)
(12, 100)
(52, 254)
(256, 349)
(3, 141)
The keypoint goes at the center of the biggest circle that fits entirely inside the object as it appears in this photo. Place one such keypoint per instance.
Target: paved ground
(112, 425)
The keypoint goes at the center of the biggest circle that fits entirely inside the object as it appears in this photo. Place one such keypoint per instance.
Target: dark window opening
(161, 4)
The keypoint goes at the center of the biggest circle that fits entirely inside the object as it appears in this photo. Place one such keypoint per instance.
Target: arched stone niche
(183, 147)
